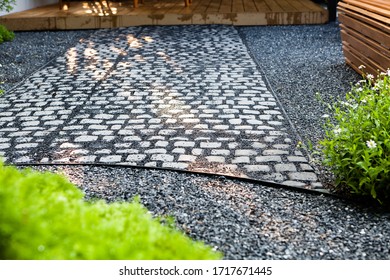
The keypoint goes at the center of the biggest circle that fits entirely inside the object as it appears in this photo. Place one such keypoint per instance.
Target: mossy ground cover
(44, 216)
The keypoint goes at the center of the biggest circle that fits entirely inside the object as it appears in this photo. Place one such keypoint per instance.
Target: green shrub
(5, 34)
(43, 216)
(357, 145)
(7, 5)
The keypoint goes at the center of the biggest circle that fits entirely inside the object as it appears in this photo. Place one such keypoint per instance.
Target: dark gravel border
(301, 62)
(243, 220)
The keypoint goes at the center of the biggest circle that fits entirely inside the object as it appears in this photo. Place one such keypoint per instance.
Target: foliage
(357, 145)
(7, 5)
(43, 216)
(5, 34)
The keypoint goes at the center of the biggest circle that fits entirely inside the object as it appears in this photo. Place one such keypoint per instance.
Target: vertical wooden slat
(365, 33)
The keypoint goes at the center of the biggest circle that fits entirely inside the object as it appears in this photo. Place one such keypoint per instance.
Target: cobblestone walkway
(166, 97)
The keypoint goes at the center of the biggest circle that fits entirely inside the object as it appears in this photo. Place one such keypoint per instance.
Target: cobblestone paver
(172, 97)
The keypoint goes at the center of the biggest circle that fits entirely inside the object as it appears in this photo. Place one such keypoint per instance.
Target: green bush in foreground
(43, 216)
(357, 146)
(5, 34)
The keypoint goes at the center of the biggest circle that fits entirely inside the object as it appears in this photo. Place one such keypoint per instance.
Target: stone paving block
(245, 153)
(103, 152)
(242, 159)
(274, 152)
(135, 157)
(221, 152)
(275, 177)
(189, 158)
(26, 145)
(86, 138)
(257, 168)
(175, 165)
(296, 159)
(184, 144)
(305, 167)
(162, 157)
(268, 159)
(210, 145)
(4, 145)
(190, 108)
(303, 176)
(283, 167)
(111, 159)
(216, 159)
(86, 159)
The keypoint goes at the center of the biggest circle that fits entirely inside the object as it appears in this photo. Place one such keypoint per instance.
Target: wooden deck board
(250, 7)
(262, 6)
(238, 6)
(164, 12)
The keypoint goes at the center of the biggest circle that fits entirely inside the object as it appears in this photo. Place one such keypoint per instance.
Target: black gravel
(241, 219)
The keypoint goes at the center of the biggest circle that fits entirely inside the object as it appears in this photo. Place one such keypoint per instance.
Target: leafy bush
(357, 145)
(5, 34)
(7, 5)
(43, 216)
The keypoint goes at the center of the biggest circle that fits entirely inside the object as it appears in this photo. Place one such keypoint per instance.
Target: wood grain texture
(365, 33)
(87, 15)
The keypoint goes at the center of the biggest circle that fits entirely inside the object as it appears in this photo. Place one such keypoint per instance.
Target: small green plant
(357, 143)
(5, 34)
(7, 5)
(43, 216)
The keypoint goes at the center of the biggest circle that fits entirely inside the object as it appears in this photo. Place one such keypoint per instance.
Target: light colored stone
(136, 157)
(303, 176)
(216, 159)
(184, 144)
(268, 159)
(257, 168)
(162, 157)
(296, 159)
(86, 138)
(242, 159)
(189, 158)
(274, 152)
(283, 167)
(245, 153)
(210, 145)
(111, 159)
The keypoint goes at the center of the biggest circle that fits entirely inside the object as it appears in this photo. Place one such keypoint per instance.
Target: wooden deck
(91, 15)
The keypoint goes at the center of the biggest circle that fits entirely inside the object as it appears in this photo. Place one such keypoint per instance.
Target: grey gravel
(306, 70)
(299, 62)
(244, 220)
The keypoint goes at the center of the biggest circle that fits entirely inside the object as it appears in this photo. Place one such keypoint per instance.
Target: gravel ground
(300, 63)
(243, 220)
(32, 50)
